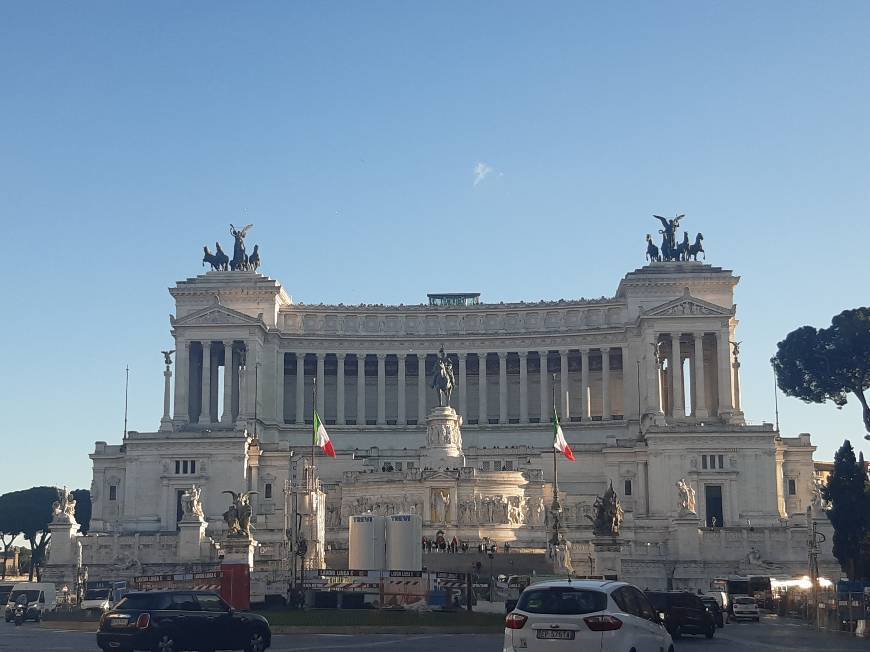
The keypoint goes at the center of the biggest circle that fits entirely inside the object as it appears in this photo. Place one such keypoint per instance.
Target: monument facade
(647, 392)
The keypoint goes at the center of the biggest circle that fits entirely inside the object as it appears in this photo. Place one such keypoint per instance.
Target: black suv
(170, 621)
(683, 613)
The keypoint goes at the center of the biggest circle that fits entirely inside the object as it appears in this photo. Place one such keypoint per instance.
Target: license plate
(118, 622)
(556, 634)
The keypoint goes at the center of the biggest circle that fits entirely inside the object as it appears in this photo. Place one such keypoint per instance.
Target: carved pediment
(217, 316)
(689, 306)
(439, 475)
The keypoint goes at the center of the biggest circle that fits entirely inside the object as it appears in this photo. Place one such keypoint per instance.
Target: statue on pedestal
(191, 504)
(167, 357)
(238, 516)
(443, 379)
(608, 514)
(440, 504)
(64, 508)
(686, 498)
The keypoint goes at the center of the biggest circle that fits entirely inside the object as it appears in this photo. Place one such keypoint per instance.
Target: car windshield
(560, 600)
(22, 596)
(144, 601)
(744, 601)
(97, 594)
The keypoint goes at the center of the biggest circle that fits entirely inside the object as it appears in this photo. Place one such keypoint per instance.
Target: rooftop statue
(240, 261)
(167, 357)
(671, 250)
(238, 515)
(608, 514)
(443, 379)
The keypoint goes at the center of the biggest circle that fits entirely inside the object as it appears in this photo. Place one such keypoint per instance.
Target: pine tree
(847, 492)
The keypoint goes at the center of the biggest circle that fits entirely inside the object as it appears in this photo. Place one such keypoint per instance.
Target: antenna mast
(126, 393)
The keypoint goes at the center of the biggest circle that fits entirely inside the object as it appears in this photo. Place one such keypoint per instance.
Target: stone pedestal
(64, 541)
(236, 568)
(606, 553)
(686, 536)
(443, 439)
(191, 535)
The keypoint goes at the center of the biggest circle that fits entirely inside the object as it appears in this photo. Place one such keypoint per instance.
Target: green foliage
(848, 490)
(83, 509)
(827, 364)
(30, 511)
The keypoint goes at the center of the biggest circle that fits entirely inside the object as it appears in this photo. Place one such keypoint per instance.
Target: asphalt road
(770, 635)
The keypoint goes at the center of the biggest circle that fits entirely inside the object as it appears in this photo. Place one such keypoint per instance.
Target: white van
(41, 597)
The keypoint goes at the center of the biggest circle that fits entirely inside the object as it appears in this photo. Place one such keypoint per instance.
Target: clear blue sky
(132, 133)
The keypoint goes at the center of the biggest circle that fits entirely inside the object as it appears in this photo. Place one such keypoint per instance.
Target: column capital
(584, 351)
(604, 349)
(563, 351)
(523, 354)
(401, 356)
(228, 342)
(502, 355)
(698, 335)
(381, 356)
(422, 356)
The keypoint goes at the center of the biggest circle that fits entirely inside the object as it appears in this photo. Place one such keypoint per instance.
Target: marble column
(229, 367)
(280, 381)
(339, 389)
(524, 386)
(698, 372)
(483, 409)
(182, 380)
(321, 385)
(736, 378)
(585, 409)
(606, 411)
(463, 395)
(630, 385)
(300, 387)
(563, 385)
(726, 405)
(401, 417)
(502, 387)
(421, 389)
(545, 387)
(205, 403)
(654, 396)
(360, 389)
(677, 377)
(166, 420)
(382, 389)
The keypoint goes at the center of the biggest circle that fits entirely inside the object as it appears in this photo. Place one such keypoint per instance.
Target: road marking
(399, 639)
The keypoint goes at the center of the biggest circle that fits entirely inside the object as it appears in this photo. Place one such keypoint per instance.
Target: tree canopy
(83, 509)
(30, 512)
(828, 364)
(847, 492)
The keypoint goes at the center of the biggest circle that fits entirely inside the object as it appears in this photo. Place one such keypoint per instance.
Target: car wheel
(709, 633)
(165, 644)
(256, 642)
(676, 634)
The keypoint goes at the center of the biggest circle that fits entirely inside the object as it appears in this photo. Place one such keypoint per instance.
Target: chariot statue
(443, 379)
(238, 515)
(240, 258)
(607, 521)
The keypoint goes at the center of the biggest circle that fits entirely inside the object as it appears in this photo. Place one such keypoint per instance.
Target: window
(211, 602)
(185, 467)
(484, 466)
(721, 459)
(627, 491)
(267, 491)
(113, 492)
(703, 462)
(398, 466)
(509, 465)
(562, 601)
(792, 488)
(184, 602)
(409, 465)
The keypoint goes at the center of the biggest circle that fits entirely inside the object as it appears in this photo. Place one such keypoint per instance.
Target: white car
(589, 615)
(745, 607)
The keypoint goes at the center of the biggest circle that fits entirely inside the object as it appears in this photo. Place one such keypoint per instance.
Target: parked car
(713, 607)
(181, 620)
(742, 606)
(40, 598)
(100, 596)
(683, 613)
(567, 615)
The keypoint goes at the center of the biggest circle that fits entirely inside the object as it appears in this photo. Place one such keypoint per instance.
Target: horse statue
(652, 252)
(254, 259)
(218, 260)
(682, 250)
(240, 259)
(443, 379)
(696, 248)
(238, 516)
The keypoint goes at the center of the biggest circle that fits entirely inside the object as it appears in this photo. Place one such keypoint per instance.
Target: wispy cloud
(481, 172)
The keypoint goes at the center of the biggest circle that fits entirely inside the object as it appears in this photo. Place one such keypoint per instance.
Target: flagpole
(555, 508)
(313, 425)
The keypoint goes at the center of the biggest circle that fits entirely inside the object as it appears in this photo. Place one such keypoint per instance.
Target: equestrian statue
(443, 379)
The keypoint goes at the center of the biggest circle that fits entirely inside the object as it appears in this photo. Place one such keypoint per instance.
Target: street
(772, 634)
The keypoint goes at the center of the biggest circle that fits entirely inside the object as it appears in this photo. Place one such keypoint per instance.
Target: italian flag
(559, 442)
(321, 438)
